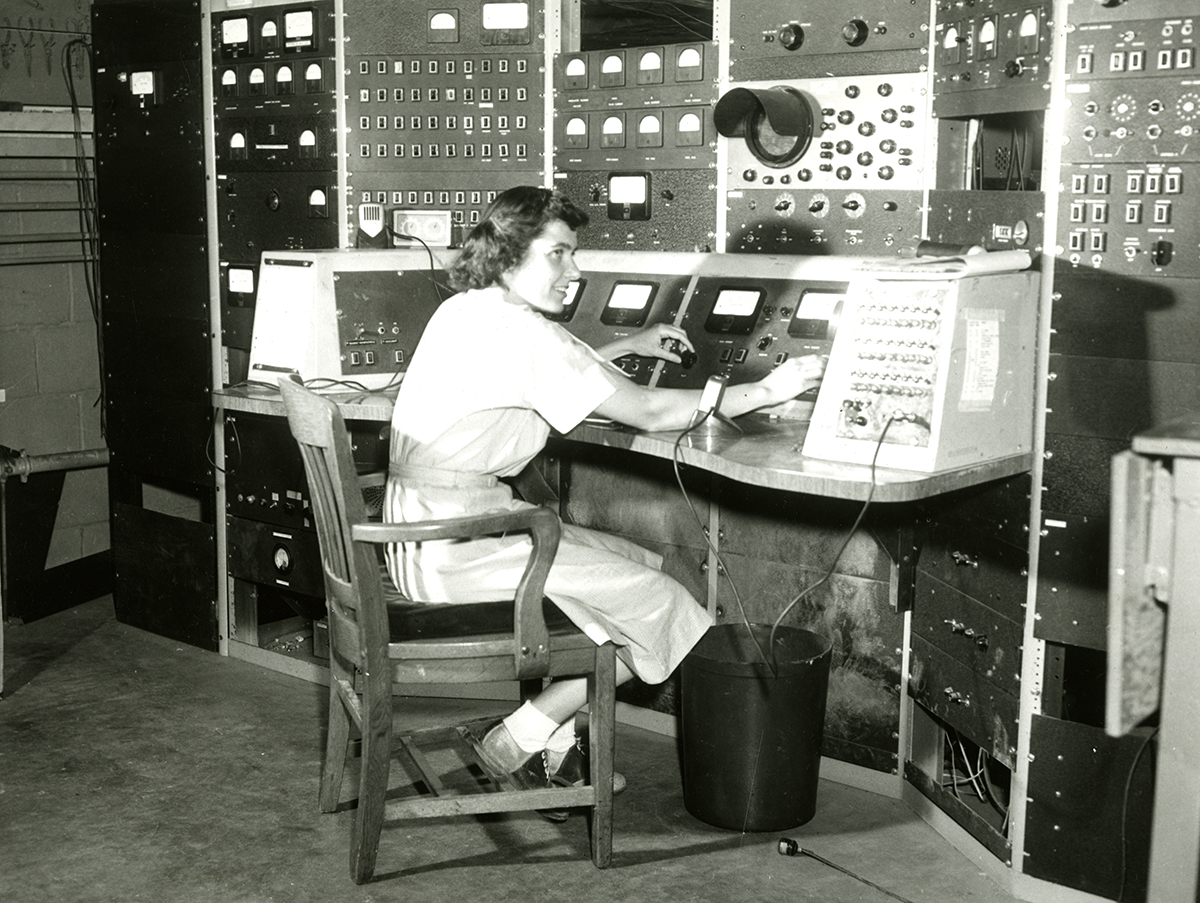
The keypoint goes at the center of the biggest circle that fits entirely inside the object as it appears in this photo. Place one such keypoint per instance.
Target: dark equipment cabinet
(157, 328)
(272, 556)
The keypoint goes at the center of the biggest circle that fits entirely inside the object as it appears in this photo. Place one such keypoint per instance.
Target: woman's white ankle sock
(530, 728)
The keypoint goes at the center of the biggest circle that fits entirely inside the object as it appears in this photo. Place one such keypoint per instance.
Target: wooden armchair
(378, 638)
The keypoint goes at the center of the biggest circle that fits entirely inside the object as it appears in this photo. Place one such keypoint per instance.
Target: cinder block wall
(49, 366)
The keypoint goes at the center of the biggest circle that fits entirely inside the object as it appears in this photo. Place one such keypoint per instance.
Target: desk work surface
(360, 404)
(766, 453)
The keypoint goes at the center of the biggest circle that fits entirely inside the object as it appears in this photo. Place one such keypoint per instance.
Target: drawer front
(965, 700)
(274, 555)
(984, 641)
(978, 565)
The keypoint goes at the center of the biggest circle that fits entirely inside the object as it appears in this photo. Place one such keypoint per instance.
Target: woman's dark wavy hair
(502, 237)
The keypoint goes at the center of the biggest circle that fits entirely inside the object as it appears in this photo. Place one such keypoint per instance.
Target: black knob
(687, 357)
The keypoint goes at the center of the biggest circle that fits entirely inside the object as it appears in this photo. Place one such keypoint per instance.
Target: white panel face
(235, 31)
(627, 189)
(298, 24)
(734, 303)
(629, 297)
(241, 280)
(506, 16)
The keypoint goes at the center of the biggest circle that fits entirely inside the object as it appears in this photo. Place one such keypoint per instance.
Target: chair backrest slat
(334, 554)
(353, 590)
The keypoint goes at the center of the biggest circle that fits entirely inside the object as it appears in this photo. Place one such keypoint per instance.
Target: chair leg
(336, 746)
(373, 778)
(601, 745)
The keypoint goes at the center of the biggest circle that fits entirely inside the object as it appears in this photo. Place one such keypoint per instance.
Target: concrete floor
(133, 768)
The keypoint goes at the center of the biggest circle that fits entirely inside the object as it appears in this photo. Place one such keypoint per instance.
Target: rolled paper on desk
(953, 267)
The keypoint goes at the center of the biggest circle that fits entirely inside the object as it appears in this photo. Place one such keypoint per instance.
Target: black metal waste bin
(751, 734)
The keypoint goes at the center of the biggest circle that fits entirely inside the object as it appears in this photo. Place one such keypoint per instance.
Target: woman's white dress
(486, 384)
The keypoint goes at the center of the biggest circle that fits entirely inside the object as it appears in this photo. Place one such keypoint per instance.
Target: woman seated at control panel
(489, 379)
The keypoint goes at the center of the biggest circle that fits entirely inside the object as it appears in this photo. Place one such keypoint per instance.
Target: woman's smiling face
(540, 280)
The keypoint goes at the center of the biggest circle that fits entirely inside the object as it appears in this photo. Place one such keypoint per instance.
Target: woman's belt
(437, 476)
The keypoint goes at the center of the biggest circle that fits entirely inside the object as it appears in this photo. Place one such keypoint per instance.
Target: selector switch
(1161, 252)
(687, 357)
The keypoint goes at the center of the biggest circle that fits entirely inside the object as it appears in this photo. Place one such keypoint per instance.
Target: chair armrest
(468, 527)
(532, 638)
(371, 478)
